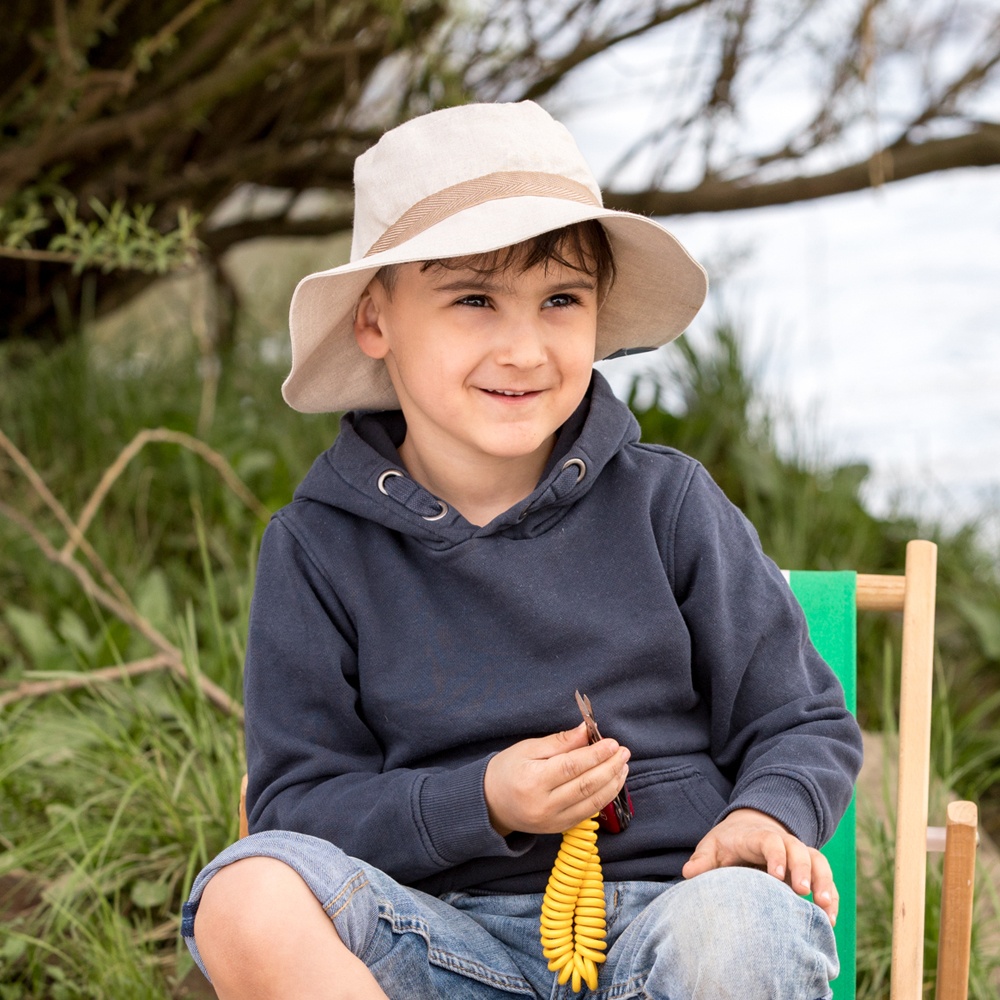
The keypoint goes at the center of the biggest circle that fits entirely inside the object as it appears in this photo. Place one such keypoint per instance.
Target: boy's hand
(548, 785)
(748, 837)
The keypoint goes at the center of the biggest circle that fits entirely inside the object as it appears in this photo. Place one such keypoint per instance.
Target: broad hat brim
(657, 291)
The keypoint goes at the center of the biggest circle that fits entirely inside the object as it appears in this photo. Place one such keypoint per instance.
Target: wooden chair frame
(914, 595)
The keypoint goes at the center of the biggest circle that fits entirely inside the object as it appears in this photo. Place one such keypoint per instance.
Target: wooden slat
(914, 772)
(880, 593)
(956, 902)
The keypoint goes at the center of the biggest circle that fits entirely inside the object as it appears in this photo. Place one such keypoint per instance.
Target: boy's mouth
(511, 392)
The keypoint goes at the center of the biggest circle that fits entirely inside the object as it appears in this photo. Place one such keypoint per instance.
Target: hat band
(450, 201)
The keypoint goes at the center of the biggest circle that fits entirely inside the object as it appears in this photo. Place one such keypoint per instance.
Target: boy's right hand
(550, 784)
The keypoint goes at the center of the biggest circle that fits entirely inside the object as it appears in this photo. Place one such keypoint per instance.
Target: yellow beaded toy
(573, 911)
(573, 927)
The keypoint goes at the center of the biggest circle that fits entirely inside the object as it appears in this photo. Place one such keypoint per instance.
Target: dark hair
(583, 246)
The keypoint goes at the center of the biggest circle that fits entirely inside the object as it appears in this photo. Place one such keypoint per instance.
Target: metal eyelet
(437, 517)
(581, 467)
(385, 475)
(389, 473)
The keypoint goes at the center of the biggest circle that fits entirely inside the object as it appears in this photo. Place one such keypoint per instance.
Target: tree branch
(219, 240)
(74, 534)
(83, 679)
(28, 253)
(588, 47)
(168, 650)
(164, 436)
(904, 159)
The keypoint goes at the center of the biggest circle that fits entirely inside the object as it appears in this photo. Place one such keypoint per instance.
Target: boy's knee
(738, 932)
(247, 907)
(745, 897)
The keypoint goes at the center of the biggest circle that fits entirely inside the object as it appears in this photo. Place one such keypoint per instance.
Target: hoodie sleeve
(779, 726)
(314, 766)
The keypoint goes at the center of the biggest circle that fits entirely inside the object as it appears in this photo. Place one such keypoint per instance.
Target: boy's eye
(477, 301)
(562, 299)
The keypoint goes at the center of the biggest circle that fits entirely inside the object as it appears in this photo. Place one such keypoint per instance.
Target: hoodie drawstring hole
(581, 467)
(411, 495)
(441, 513)
(386, 475)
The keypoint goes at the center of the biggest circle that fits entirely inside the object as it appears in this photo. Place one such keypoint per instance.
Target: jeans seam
(476, 970)
(451, 962)
(352, 889)
(821, 968)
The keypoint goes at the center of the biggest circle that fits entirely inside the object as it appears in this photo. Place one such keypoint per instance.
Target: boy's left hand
(748, 837)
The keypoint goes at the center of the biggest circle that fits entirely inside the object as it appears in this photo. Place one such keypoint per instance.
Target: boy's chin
(539, 447)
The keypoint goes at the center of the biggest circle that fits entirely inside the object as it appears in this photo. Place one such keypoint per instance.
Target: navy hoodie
(390, 656)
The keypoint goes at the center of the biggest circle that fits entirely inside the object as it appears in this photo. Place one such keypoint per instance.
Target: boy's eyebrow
(484, 284)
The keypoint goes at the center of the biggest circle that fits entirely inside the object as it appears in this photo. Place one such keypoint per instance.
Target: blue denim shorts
(732, 932)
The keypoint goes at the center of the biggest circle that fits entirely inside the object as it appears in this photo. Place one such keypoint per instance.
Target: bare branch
(219, 240)
(588, 47)
(261, 92)
(77, 680)
(979, 148)
(968, 81)
(27, 253)
(112, 597)
(215, 694)
(161, 435)
(73, 532)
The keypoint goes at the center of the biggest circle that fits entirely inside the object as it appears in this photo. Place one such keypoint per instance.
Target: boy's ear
(367, 329)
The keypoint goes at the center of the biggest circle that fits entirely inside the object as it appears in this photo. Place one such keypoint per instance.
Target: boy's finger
(800, 866)
(587, 796)
(571, 764)
(703, 860)
(825, 894)
(586, 780)
(559, 743)
(774, 854)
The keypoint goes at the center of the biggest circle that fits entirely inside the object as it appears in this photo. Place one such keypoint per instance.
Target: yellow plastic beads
(573, 911)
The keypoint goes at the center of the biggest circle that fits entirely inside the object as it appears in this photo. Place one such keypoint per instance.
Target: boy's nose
(522, 343)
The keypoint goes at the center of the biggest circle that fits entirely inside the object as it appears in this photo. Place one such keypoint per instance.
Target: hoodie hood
(362, 474)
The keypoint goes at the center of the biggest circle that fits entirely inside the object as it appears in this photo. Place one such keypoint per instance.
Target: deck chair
(830, 601)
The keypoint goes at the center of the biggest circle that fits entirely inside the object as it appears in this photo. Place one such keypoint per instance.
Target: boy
(487, 535)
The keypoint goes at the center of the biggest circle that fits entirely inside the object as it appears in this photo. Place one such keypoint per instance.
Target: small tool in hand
(618, 813)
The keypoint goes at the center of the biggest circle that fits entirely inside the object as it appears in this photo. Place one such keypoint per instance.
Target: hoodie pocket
(679, 803)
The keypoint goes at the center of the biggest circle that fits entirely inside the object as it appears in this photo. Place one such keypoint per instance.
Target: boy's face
(486, 367)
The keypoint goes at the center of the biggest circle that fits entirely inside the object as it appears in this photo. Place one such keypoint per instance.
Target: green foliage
(116, 796)
(115, 238)
(123, 240)
(19, 218)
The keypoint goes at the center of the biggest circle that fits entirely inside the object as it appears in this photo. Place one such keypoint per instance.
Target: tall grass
(112, 797)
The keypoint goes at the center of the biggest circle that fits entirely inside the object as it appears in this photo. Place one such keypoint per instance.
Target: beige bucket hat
(468, 180)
